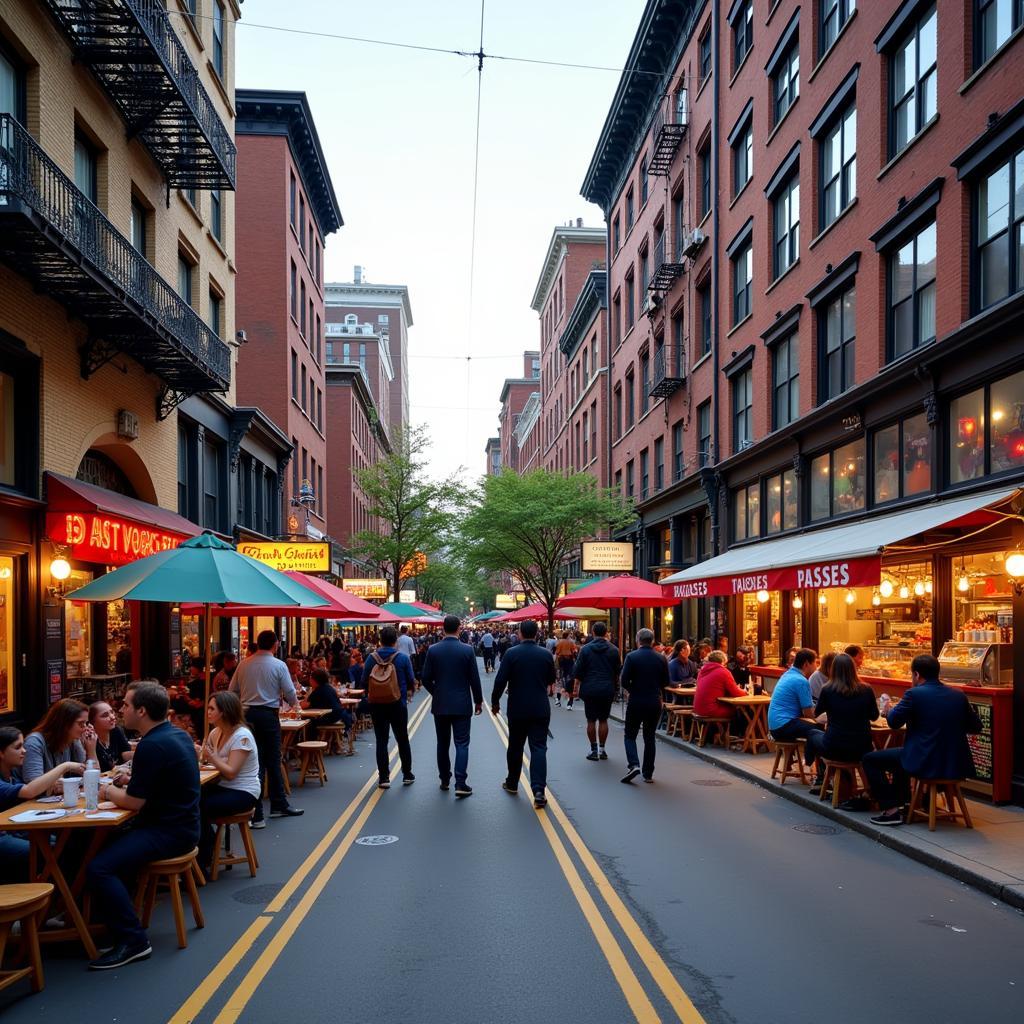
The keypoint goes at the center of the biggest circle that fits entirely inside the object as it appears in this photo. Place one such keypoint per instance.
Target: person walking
(644, 676)
(528, 671)
(565, 655)
(594, 675)
(487, 647)
(388, 679)
(451, 677)
(262, 682)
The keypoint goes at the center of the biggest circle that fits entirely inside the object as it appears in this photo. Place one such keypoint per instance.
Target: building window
(786, 381)
(319, 410)
(999, 260)
(319, 338)
(295, 376)
(747, 517)
(704, 159)
(704, 332)
(295, 464)
(743, 410)
(185, 278)
(838, 482)
(644, 473)
(986, 430)
(912, 293)
(19, 420)
(902, 459)
(630, 299)
(997, 21)
(85, 168)
(786, 226)
(293, 291)
(184, 475)
(216, 303)
(292, 192)
(834, 15)
(780, 502)
(593, 429)
(617, 410)
(629, 479)
(618, 482)
(742, 32)
(704, 434)
(837, 326)
(705, 54)
(659, 464)
(786, 83)
(616, 234)
(913, 80)
(742, 280)
(643, 179)
(139, 227)
(302, 224)
(216, 216)
(678, 461)
(629, 211)
(586, 440)
(645, 383)
(630, 399)
(302, 387)
(302, 308)
(838, 161)
(743, 157)
(218, 38)
(212, 463)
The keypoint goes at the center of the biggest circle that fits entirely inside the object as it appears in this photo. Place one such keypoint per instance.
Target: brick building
(286, 210)
(492, 453)
(515, 393)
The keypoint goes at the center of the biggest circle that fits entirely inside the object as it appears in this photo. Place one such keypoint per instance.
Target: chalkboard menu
(981, 743)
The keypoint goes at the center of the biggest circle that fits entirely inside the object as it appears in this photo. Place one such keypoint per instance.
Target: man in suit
(644, 676)
(527, 670)
(938, 719)
(450, 675)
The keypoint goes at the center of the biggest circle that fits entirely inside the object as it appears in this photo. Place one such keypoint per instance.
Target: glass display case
(977, 664)
(890, 661)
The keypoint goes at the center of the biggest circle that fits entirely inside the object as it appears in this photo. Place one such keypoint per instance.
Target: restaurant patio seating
(26, 903)
(789, 757)
(702, 724)
(844, 775)
(334, 735)
(173, 870)
(680, 721)
(928, 791)
(312, 764)
(222, 855)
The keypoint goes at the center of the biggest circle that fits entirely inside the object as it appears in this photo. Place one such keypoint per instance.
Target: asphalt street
(700, 897)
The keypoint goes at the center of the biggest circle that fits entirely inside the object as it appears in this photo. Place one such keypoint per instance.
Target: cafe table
(755, 709)
(681, 692)
(884, 736)
(314, 713)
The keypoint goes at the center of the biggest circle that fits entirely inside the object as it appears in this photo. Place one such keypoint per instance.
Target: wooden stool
(701, 725)
(221, 856)
(312, 764)
(334, 735)
(838, 773)
(680, 721)
(790, 758)
(174, 870)
(26, 903)
(931, 790)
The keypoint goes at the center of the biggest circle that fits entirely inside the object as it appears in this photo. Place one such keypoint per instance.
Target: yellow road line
(192, 1006)
(660, 972)
(634, 992)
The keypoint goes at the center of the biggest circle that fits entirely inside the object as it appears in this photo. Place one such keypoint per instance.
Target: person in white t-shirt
(406, 645)
(231, 749)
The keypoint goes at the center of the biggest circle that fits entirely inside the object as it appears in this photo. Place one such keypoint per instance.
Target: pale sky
(397, 127)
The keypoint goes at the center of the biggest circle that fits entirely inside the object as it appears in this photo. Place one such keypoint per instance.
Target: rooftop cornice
(368, 293)
(510, 381)
(561, 239)
(593, 297)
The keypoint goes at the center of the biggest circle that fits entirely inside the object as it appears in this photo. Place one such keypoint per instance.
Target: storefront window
(848, 484)
(78, 629)
(887, 461)
(967, 437)
(917, 455)
(750, 611)
(781, 502)
(820, 489)
(1006, 447)
(6, 633)
(902, 459)
(748, 513)
(119, 638)
(982, 599)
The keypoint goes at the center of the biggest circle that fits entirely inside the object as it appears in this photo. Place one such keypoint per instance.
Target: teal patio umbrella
(204, 570)
(405, 612)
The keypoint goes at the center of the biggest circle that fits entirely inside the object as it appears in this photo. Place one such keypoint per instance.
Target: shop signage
(299, 556)
(94, 537)
(367, 589)
(407, 596)
(852, 572)
(506, 602)
(607, 556)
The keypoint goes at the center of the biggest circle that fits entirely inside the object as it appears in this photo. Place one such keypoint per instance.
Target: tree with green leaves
(416, 514)
(530, 526)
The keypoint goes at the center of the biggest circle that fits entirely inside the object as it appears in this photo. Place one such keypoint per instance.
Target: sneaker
(602, 755)
(257, 823)
(568, 706)
(540, 800)
(648, 778)
(593, 756)
(558, 702)
(888, 818)
(631, 774)
(287, 812)
(383, 783)
(408, 780)
(462, 789)
(445, 785)
(121, 955)
(856, 803)
(510, 788)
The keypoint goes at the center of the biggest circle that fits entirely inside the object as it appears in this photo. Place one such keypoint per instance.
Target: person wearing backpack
(388, 680)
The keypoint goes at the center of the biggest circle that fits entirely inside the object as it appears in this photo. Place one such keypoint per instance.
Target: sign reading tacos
(851, 572)
(302, 556)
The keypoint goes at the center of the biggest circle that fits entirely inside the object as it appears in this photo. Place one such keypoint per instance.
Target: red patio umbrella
(342, 604)
(619, 592)
(531, 611)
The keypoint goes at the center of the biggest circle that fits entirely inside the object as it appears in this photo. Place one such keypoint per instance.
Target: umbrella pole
(209, 659)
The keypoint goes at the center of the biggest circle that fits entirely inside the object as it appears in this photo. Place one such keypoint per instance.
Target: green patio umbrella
(204, 570)
(410, 613)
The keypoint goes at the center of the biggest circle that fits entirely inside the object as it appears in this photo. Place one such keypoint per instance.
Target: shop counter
(992, 748)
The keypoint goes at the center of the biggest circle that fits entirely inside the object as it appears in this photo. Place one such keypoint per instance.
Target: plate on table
(47, 814)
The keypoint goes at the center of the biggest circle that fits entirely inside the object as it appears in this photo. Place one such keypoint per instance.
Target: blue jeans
(13, 858)
(448, 726)
(637, 719)
(536, 731)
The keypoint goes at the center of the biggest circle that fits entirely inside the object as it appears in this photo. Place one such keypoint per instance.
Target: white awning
(836, 556)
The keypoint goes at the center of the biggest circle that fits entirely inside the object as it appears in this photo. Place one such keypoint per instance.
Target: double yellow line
(243, 993)
(632, 989)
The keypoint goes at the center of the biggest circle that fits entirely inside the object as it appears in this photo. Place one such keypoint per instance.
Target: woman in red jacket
(714, 680)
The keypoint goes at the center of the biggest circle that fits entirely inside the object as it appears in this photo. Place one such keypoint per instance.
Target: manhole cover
(257, 895)
(376, 840)
(711, 782)
(818, 830)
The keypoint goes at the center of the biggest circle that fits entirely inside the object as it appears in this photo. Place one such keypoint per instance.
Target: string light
(822, 598)
(876, 598)
(850, 597)
(763, 596)
(919, 588)
(885, 589)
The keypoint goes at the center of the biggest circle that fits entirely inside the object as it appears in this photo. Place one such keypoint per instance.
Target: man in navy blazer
(450, 675)
(938, 719)
(527, 670)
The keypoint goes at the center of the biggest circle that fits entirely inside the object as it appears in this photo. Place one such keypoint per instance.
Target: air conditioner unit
(650, 304)
(692, 241)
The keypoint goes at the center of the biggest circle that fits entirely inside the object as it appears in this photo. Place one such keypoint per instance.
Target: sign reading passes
(366, 589)
(607, 556)
(851, 572)
(301, 556)
(505, 602)
(95, 537)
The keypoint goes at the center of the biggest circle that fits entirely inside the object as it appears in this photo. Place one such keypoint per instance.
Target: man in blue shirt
(393, 717)
(791, 703)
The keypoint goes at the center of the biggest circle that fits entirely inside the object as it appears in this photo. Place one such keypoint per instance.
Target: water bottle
(91, 785)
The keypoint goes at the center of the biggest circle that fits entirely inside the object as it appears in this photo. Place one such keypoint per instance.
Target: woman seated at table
(108, 746)
(231, 749)
(851, 708)
(714, 681)
(322, 696)
(355, 667)
(682, 671)
(820, 676)
(57, 738)
(13, 789)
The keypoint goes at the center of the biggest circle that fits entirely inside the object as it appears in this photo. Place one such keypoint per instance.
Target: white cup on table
(71, 791)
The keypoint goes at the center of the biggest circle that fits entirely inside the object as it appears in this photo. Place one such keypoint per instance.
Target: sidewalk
(989, 857)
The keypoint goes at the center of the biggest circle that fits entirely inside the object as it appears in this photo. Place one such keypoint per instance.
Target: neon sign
(107, 539)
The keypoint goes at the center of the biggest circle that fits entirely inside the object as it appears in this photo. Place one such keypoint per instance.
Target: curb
(1013, 896)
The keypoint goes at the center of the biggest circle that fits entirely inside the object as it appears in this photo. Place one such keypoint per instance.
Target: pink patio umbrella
(619, 592)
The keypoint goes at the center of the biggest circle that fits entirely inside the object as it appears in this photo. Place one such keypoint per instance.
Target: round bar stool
(789, 761)
(26, 903)
(928, 791)
(222, 855)
(173, 870)
(840, 773)
(312, 764)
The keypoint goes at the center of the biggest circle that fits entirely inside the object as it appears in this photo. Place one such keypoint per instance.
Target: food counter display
(890, 661)
(977, 664)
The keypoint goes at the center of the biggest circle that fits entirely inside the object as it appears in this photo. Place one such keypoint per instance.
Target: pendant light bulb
(885, 589)
(904, 591)
(822, 598)
(876, 598)
(851, 597)
(763, 596)
(963, 584)
(798, 602)
(919, 588)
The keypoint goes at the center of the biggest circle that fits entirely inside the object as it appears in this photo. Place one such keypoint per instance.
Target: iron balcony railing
(666, 268)
(670, 123)
(668, 375)
(132, 48)
(50, 231)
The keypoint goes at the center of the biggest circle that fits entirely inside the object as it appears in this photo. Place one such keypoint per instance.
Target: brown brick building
(515, 394)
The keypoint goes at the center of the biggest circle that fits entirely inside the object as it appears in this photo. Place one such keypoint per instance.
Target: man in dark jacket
(739, 666)
(938, 719)
(451, 676)
(527, 670)
(596, 670)
(644, 677)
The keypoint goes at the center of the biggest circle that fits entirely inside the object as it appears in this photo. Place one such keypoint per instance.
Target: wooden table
(681, 691)
(756, 711)
(314, 713)
(347, 691)
(884, 737)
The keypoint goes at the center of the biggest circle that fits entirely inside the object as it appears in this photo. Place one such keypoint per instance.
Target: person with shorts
(595, 675)
(565, 656)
